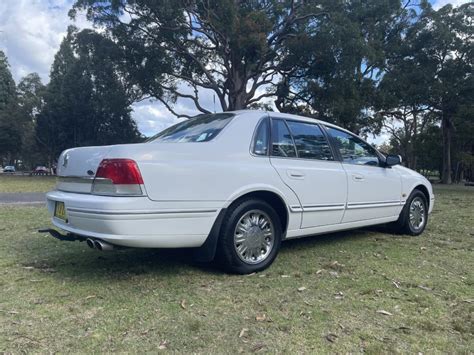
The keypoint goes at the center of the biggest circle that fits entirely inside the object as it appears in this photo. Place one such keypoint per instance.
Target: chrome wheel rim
(417, 213)
(254, 237)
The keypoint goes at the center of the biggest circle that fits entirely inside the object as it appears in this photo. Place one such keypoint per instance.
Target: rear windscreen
(201, 128)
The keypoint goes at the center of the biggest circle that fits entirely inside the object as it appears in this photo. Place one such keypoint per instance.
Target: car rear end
(103, 196)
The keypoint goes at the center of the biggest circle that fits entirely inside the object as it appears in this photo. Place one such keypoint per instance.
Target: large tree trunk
(237, 84)
(446, 127)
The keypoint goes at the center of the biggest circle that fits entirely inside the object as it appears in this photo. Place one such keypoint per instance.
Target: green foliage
(85, 102)
(30, 93)
(10, 124)
(233, 48)
(340, 61)
(428, 81)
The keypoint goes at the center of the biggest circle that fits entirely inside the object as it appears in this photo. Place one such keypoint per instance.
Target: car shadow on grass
(75, 260)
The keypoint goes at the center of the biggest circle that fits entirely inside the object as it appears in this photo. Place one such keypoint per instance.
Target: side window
(282, 143)
(310, 141)
(353, 149)
(262, 135)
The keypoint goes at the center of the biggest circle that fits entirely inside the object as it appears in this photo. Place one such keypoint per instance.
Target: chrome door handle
(294, 174)
(357, 177)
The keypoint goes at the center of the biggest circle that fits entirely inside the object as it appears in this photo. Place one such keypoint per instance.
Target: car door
(303, 158)
(373, 191)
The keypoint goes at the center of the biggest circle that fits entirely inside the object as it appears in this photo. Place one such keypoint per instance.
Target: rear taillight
(118, 177)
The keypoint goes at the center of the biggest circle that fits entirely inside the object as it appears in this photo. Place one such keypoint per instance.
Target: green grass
(19, 183)
(60, 296)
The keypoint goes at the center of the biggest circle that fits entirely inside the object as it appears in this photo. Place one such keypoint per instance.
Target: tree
(402, 99)
(10, 125)
(30, 93)
(443, 47)
(178, 49)
(85, 103)
(341, 62)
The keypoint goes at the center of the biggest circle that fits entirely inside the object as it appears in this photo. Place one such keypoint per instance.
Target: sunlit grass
(19, 183)
(363, 290)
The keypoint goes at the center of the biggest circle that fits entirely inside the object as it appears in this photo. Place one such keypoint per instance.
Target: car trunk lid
(78, 166)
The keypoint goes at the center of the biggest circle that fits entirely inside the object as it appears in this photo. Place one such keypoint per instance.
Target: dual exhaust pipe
(99, 245)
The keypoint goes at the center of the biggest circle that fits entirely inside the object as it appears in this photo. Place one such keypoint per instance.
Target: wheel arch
(425, 191)
(207, 251)
(272, 198)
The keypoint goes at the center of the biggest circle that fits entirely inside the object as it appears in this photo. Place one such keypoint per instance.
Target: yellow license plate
(60, 210)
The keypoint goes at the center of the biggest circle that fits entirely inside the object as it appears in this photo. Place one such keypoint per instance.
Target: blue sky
(30, 34)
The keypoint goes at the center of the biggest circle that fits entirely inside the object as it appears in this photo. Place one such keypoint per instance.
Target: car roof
(287, 116)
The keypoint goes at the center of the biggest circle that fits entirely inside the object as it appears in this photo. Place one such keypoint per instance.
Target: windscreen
(201, 128)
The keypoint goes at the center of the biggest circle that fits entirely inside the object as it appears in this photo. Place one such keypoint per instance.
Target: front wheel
(414, 215)
(250, 237)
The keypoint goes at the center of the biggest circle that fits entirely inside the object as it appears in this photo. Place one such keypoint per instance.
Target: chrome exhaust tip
(103, 246)
(90, 243)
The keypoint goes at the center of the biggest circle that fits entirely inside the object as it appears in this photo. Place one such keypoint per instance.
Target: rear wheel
(250, 237)
(414, 215)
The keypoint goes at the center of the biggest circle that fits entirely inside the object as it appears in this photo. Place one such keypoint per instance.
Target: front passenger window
(353, 150)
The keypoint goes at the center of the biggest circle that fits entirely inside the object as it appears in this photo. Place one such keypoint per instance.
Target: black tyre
(414, 215)
(250, 237)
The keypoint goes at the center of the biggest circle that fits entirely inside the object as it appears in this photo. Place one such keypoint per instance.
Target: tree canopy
(85, 103)
(393, 66)
(177, 49)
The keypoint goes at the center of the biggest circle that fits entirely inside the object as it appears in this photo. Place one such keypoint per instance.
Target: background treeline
(392, 66)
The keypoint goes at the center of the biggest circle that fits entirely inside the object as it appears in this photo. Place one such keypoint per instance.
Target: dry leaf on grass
(331, 337)
(183, 304)
(243, 332)
(260, 317)
(301, 289)
(258, 347)
(385, 313)
(163, 345)
(425, 288)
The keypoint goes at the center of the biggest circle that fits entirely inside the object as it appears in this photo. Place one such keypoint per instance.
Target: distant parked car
(41, 170)
(234, 185)
(9, 169)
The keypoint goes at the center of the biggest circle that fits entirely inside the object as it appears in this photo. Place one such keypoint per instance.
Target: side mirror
(392, 160)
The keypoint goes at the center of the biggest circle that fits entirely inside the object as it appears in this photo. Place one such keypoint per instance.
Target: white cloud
(31, 31)
(440, 3)
(152, 118)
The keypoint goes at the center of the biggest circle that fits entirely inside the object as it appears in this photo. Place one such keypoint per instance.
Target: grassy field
(359, 291)
(18, 183)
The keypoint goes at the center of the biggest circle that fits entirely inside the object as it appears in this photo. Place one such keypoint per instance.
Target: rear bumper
(134, 221)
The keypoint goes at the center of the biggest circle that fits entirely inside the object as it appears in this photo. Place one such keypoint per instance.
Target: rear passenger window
(262, 136)
(310, 141)
(282, 143)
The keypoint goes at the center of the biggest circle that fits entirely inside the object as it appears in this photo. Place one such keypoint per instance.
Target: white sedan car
(234, 185)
